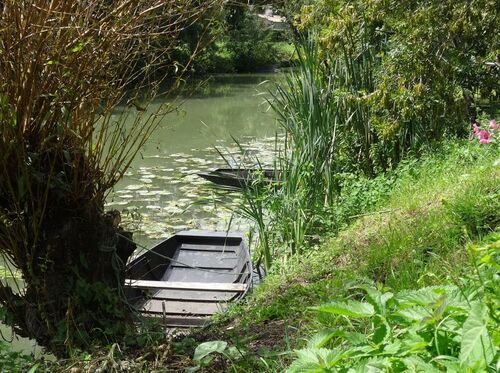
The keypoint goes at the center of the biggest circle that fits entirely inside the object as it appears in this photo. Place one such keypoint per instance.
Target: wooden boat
(239, 177)
(189, 277)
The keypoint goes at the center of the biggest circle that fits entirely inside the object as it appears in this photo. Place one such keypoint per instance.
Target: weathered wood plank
(196, 295)
(214, 286)
(182, 308)
(186, 274)
(209, 248)
(209, 234)
(206, 260)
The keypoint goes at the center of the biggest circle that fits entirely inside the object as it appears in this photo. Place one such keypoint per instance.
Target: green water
(162, 194)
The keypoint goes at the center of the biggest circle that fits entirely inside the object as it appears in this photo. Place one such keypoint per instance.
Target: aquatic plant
(65, 65)
(323, 117)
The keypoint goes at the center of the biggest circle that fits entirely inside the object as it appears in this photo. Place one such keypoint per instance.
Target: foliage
(65, 67)
(203, 354)
(370, 88)
(11, 361)
(249, 42)
(433, 328)
(412, 232)
(311, 113)
(236, 41)
(413, 235)
(428, 70)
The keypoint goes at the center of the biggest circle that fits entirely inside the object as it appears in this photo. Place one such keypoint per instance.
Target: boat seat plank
(196, 295)
(214, 286)
(227, 260)
(211, 248)
(186, 274)
(182, 308)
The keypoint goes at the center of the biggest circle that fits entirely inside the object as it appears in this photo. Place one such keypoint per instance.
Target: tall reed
(321, 106)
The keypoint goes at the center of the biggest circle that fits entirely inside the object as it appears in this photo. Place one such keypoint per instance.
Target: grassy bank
(416, 235)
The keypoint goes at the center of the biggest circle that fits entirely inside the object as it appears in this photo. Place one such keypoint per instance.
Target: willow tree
(65, 65)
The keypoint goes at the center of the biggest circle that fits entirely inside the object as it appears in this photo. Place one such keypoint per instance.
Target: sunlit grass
(414, 237)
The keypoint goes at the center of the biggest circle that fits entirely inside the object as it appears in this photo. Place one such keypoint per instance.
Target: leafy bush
(236, 40)
(11, 361)
(428, 70)
(249, 41)
(372, 87)
(453, 328)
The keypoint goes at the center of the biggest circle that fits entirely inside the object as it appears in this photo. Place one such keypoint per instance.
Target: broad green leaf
(376, 298)
(392, 348)
(413, 343)
(350, 308)
(322, 338)
(208, 348)
(235, 353)
(439, 308)
(374, 365)
(354, 338)
(417, 364)
(451, 326)
(424, 296)
(452, 366)
(476, 343)
(315, 360)
(416, 313)
(382, 330)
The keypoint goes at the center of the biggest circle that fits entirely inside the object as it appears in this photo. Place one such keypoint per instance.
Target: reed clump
(360, 101)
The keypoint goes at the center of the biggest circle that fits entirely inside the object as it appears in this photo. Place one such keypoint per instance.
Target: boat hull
(239, 177)
(189, 277)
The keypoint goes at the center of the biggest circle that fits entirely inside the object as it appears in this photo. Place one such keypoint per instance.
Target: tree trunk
(73, 294)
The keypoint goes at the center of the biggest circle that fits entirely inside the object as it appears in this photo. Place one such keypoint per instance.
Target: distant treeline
(234, 39)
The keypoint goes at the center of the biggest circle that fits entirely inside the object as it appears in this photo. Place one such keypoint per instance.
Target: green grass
(415, 236)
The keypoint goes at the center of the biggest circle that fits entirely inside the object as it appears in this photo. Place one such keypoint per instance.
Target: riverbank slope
(419, 235)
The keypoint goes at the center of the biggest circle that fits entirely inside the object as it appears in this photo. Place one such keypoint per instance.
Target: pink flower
(493, 124)
(475, 129)
(484, 137)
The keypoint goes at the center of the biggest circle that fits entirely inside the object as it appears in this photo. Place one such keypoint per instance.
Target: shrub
(65, 66)
(428, 70)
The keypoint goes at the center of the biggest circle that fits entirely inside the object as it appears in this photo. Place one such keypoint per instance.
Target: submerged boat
(189, 277)
(239, 177)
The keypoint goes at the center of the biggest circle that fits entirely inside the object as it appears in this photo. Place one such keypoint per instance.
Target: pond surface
(161, 193)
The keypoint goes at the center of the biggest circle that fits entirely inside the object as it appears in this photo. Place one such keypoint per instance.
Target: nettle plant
(451, 328)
